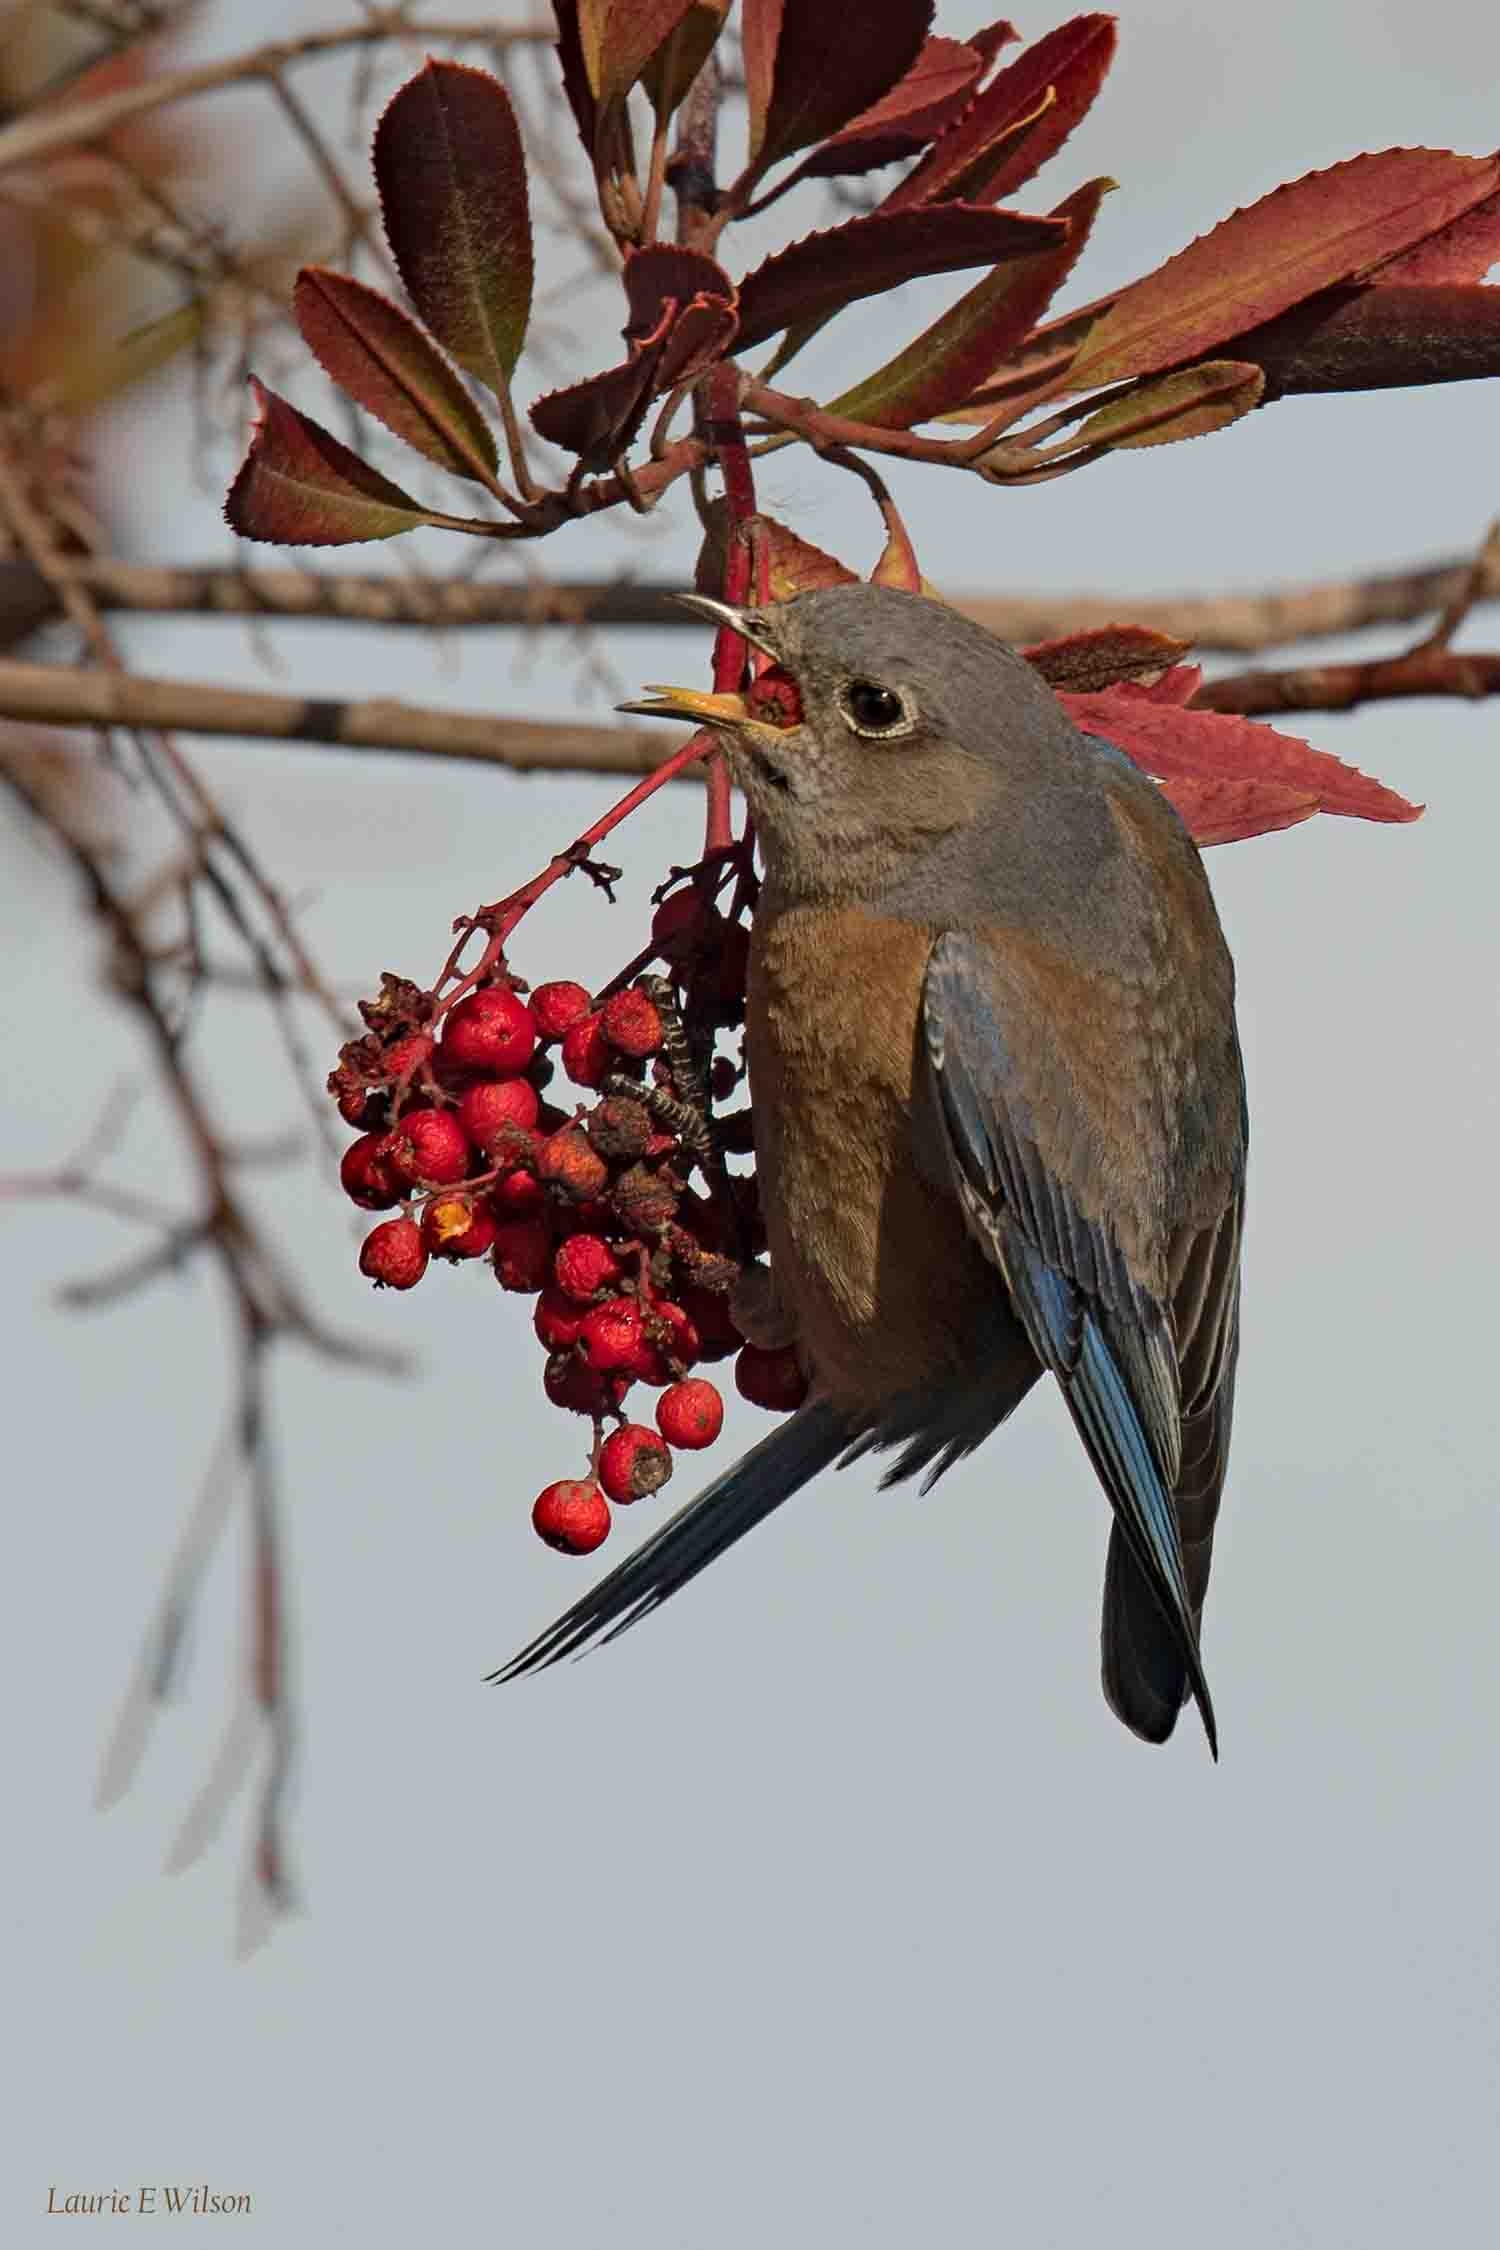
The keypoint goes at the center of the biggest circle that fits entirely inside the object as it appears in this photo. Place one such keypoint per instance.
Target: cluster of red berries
(589, 1210)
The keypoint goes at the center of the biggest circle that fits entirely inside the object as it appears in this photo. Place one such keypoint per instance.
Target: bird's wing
(1069, 1230)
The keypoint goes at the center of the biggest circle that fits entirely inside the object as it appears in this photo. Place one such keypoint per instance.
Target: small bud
(571, 1516)
(557, 1007)
(773, 1380)
(489, 1030)
(394, 1256)
(631, 1022)
(365, 1176)
(453, 1226)
(426, 1146)
(587, 1055)
(690, 1415)
(522, 1255)
(584, 1265)
(633, 1463)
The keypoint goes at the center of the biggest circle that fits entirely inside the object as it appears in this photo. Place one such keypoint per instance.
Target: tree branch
(1241, 622)
(1429, 670)
(54, 696)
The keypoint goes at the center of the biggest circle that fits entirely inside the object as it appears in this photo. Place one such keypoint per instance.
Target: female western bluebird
(998, 1104)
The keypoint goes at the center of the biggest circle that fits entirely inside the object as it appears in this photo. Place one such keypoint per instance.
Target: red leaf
(597, 418)
(977, 158)
(1215, 746)
(824, 272)
(928, 99)
(1463, 251)
(1083, 663)
(793, 566)
(1228, 812)
(809, 69)
(1304, 237)
(298, 487)
(378, 354)
(575, 74)
(958, 351)
(664, 275)
(682, 319)
(1379, 339)
(619, 37)
(452, 179)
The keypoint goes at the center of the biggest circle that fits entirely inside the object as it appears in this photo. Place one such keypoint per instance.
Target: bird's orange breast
(873, 1264)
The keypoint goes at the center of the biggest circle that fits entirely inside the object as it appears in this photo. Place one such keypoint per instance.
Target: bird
(998, 1104)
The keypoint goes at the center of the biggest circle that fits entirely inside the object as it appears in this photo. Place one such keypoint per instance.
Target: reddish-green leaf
(959, 350)
(933, 93)
(793, 565)
(1191, 403)
(679, 59)
(392, 368)
(597, 418)
(1304, 237)
(1032, 371)
(1010, 129)
(298, 487)
(824, 272)
(1214, 746)
(619, 37)
(810, 68)
(1379, 339)
(575, 76)
(1083, 663)
(452, 180)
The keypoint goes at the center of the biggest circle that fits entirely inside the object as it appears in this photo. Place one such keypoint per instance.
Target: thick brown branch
(1343, 687)
(1241, 622)
(56, 697)
(73, 124)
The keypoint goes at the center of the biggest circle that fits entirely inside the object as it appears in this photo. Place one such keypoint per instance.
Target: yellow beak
(703, 709)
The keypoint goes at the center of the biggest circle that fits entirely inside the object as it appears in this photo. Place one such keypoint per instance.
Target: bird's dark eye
(873, 709)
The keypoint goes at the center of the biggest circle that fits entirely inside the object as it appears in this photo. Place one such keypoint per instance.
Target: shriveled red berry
(708, 1310)
(494, 1109)
(645, 1201)
(677, 922)
(404, 1057)
(454, 1226)
(426, 1145)
(490, 1030)
(566, 1161)
(775, 698)
(587, 1055)
(520, 1195)
(522, 1254)
(770, 1379)
(358, 1104)
(365, 1176)
(558, 1319)
(633, 1463)
(619, 1128)
(612, 1335)
(631, 1021)
(570, 1382)
(584, 1265)
(672, 1331)
(571, 1516)
(690, 1415)
(394, 1256)
(557, 1007)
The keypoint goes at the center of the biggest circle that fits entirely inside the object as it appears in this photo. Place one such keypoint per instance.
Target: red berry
(357, 1104)
(557, 1007)
(365, 1176)
(584, 1265)
(572, 1516)
(493, 1108)
(520, 1195)
(612, 1335)
(454, 1227)
(709, 1312)
(775, 698)
(587, 1055)
(770, 1379)
(672, 1331)
(568, 1382)
(404, 1059)
(677, 922)
(490, 1030)
(426, 1145)
(557, 1320)
(691, 1414)
(633, 1462)
(394, 1256)
(522, 1255)
(730, 972)
(565, 1160)
(631, 1022)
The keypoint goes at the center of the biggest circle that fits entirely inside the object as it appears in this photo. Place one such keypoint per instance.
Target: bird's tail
(693, 1538)
(1146, 1678)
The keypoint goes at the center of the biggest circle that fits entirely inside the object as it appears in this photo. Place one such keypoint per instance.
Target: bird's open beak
(703, 709)
(722, 615)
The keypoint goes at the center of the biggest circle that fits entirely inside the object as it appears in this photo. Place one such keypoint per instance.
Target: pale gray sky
(833, 1907)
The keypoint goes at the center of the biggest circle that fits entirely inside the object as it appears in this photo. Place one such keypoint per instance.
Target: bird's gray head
(888, 722)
